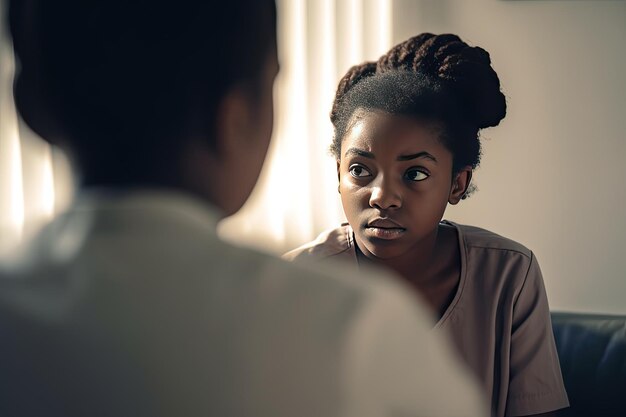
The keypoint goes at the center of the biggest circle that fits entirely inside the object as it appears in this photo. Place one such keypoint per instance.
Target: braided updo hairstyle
(435, 78)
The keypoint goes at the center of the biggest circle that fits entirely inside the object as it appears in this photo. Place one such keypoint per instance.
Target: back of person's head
(435, 78)
(124, 84)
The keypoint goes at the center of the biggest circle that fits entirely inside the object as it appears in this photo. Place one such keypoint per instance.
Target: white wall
(553, 173)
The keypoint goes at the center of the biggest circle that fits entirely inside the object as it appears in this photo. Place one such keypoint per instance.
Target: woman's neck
(422, 264)
(433, 267)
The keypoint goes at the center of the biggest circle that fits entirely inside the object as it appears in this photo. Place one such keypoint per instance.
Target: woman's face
(395, 180)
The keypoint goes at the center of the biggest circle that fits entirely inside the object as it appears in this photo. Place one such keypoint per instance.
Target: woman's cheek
(354, 200)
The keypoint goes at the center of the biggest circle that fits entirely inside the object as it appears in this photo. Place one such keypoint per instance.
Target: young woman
(406, 143)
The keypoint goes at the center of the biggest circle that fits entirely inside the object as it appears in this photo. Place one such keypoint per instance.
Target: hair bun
(403, 55)
(353, 76)
(470, 75)
(466, 71)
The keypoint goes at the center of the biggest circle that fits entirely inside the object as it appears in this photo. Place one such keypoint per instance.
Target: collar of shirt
(124, 213)
(153, 202)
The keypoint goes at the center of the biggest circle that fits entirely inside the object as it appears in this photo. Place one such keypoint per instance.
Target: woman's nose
(385, 195)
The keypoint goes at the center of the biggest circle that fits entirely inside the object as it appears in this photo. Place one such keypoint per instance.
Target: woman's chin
(382, 250)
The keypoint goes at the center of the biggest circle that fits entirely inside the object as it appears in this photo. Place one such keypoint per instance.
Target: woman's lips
(386, 233)
(384, 228)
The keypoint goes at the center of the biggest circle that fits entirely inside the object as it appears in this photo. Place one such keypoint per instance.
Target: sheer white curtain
(296, 197)
(34, 180)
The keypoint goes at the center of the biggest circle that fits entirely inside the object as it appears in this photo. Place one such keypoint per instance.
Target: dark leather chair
(592, 353)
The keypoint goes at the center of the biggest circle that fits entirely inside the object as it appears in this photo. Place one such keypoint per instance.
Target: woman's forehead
(377, 130)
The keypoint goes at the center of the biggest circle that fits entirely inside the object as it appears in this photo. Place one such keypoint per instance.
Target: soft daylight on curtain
(34, 179)
(297, 195)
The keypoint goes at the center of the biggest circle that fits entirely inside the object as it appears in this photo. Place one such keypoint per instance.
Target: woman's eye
(357, 171)
(415, 174)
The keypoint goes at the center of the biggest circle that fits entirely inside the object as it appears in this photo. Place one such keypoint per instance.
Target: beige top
(130, 305)
(499, 318)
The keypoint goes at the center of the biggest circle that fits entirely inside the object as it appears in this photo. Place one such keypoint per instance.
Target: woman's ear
(460, 184)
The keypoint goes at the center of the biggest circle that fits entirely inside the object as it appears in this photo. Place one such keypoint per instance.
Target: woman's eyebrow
(359, 152)
(417, 155)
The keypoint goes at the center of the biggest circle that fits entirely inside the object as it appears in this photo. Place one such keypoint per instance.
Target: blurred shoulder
(335, 243)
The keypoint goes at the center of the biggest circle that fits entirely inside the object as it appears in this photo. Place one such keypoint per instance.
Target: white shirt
(130, 305)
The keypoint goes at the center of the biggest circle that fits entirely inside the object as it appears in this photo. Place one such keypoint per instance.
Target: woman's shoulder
(473, 237)
(491, 260)
(337, 242)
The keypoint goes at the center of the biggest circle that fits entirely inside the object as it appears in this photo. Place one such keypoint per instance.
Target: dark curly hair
(435, 78)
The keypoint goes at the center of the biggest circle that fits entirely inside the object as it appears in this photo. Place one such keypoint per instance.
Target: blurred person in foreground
(128, 303)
